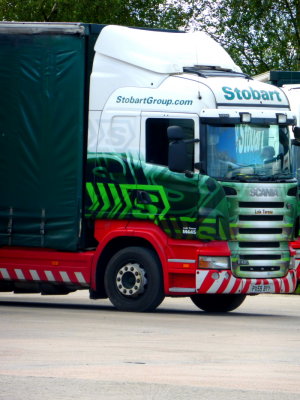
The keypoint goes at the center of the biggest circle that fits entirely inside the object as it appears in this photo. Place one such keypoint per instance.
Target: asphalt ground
(70, 347)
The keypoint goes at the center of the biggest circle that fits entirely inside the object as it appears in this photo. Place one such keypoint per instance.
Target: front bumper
(223, 282)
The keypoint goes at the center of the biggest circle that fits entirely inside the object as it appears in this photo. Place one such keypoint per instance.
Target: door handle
(143, 197)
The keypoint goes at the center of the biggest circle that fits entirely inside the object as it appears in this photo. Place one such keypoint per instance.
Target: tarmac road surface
(70, 347)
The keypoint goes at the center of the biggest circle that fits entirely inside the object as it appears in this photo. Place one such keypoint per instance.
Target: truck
(140, 164)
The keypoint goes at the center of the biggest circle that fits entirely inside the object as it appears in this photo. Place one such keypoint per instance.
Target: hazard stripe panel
(224, 282)
(21, 265)
(17, 274)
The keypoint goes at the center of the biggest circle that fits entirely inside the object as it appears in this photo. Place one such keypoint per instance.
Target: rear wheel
(133, 280)
(218, 302)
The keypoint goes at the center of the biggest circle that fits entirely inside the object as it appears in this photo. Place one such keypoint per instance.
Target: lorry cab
(226, 188)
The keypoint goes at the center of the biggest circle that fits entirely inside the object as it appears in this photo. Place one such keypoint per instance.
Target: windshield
(248, 152)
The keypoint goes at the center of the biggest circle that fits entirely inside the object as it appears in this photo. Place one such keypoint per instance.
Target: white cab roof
(162, 51)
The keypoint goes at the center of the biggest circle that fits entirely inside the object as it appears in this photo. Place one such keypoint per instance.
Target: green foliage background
(260, 35)
(148, 13)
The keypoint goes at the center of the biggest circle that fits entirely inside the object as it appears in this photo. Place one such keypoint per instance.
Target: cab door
(168, 198)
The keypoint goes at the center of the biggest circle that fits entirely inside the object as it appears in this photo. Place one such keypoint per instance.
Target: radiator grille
(261, 218)
(261, 204)
(261, 228)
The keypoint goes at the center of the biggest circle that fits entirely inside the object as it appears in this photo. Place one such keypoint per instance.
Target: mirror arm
(191, 140)
(295, 142)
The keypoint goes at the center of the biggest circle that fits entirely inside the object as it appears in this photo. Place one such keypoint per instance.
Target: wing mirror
(177, 156)
(296, 131)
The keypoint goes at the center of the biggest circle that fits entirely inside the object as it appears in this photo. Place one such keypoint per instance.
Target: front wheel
(133, 280)
(218, 302)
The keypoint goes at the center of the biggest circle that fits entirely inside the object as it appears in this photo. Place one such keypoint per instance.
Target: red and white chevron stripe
(41, 275)
(225, 282)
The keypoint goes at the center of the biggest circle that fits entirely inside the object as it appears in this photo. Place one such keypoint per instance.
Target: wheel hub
(131, 280)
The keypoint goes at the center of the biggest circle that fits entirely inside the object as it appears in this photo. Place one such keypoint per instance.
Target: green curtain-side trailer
(44, 78)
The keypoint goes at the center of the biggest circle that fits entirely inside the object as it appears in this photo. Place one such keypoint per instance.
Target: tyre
(133, 280)
(218, 302)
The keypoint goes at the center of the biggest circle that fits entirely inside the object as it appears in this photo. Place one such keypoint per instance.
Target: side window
(157, 142)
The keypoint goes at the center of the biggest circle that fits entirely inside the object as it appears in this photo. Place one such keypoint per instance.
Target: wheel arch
(106, 252)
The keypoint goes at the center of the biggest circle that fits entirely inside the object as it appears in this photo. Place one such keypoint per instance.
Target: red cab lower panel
(38, 265)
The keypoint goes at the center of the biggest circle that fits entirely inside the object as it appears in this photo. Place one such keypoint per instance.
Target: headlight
(245, 117)
(210, 262)
(281, 118)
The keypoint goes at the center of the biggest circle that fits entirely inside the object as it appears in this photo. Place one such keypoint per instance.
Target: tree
(147, 13)
(260, 35)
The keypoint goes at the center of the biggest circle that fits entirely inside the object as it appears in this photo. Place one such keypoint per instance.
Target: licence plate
(260, 288)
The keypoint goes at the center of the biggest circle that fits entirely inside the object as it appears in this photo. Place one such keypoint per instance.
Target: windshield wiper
(283, 176)
(279, 177)
(240, 177)
(262, 177)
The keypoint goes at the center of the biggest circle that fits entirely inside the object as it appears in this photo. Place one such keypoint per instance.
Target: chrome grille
(261, 228)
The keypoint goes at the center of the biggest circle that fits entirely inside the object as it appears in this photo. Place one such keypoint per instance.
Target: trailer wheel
(133, 280)
(218, 302)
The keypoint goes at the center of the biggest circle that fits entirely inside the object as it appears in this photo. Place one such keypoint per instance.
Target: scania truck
(141, 164)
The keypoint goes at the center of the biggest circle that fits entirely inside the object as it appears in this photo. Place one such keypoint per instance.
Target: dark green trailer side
(44, 83)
